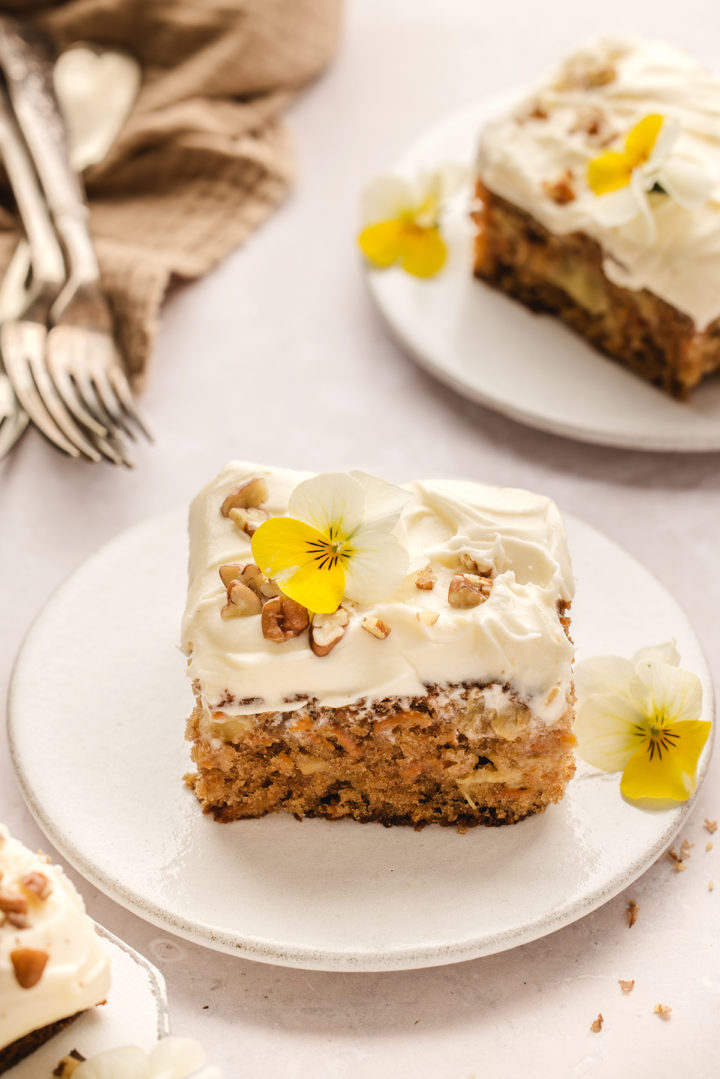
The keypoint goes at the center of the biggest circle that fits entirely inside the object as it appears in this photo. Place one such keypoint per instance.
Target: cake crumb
(673, 856)
(631, 913)
(679, 867)
(663, 1010)
(708, 845)
(597, 1024)
(711, 885)
(711, 825)
(627, 987)
(685, 848)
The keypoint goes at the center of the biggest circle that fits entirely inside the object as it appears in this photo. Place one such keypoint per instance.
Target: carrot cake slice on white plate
(598, 201)
(392, 654)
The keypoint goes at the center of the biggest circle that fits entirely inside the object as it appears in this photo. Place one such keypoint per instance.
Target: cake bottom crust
(434, 759)
(23, 1047)
(564, 276)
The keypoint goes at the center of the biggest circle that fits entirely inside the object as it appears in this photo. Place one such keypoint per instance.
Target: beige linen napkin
(204, 156)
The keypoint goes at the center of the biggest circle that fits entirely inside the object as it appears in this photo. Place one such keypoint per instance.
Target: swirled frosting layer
(587, 106)
(514, 638)
(76, 975)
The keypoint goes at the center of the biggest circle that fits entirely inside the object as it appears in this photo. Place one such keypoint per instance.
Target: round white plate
(529, 367)
(136, 1013)
(97, 707)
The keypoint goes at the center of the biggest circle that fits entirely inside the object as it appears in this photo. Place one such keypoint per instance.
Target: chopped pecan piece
(595, 124)
(242, 601)
(248, 520)
(37, 884)
(468, 590)
(561, 190)
(663, 1010)
(283, 618)
(248, 495)
(19, 921)
(376, 627)
(250, 575)
(626, 986)
(13, 903)
(426, 579)
(427, 618)
(631, 913)
(28, 964)
(326, 630)
(472, 564)
(597, 1025)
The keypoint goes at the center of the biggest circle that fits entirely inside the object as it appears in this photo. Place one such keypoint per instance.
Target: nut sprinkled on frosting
(427, 618)
(283, 618)
(468, 590)
(376, 627)
(28, 965)
(242, 601)
(248, 495)
(37, 884)
(562, 190)
(327, 630)
(248, 520)
(13, 903)
(426, 579)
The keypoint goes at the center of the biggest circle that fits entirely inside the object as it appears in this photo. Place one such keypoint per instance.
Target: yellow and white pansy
(401, 220)
(625, 178)
(171, 1058)
(641, 717)
(336, 542)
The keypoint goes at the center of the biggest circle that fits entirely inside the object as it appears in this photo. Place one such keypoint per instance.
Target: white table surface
(278, 356)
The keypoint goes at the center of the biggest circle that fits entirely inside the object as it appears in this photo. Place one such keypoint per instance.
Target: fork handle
(46, 257)
(26, 62)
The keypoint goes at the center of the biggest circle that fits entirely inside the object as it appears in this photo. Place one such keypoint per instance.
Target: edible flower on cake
(336, 542)
(642, 717)
(402, 221)
(625, 178)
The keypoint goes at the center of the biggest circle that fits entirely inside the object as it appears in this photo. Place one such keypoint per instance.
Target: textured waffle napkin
(204, 156)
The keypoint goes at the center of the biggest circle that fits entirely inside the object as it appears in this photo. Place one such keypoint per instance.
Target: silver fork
(13, 417)
(85, 366)
(23, 330)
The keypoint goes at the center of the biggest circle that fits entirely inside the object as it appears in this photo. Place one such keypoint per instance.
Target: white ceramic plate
(529, 367)
(135, 1014)
(96, 716)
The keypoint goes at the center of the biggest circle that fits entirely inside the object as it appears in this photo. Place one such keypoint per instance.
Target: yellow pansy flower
(642, 717)
(624, 178)
(336, 543)
(402, 221)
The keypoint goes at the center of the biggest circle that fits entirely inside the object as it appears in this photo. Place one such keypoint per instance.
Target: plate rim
(483, 109)
(327, 959)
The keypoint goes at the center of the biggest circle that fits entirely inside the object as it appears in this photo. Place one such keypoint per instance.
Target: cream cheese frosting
(618, 82)
(76, 975)
(514, 638)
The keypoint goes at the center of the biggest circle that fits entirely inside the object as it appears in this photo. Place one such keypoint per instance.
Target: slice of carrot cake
(52, 963)
(597, 201)
(388, 654)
